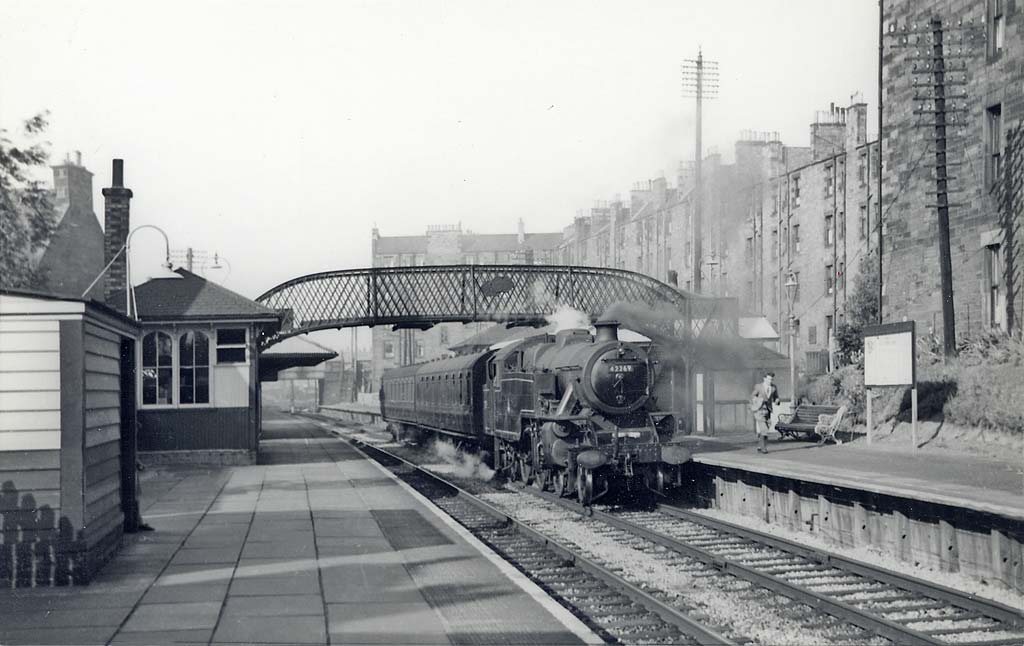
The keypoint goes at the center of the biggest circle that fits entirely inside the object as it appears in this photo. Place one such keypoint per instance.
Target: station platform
(957, 479)
(316, 544)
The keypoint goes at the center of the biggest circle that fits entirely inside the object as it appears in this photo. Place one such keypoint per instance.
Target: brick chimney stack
(115, 232)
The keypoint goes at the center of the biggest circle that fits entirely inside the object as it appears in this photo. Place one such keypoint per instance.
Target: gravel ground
(758, 615)
(995, 591)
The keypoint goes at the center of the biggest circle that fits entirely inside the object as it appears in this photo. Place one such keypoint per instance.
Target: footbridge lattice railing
(420, 297)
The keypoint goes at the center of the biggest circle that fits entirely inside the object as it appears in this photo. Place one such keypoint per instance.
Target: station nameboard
(889, 356)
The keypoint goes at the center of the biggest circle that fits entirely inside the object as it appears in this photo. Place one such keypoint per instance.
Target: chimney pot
(606, 331)
(78, 157)
(118, 180)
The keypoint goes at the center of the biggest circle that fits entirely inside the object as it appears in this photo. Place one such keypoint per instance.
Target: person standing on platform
(762, 405)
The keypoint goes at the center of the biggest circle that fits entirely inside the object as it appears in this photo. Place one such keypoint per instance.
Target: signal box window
(194, 368)
(389, 350)
(157, 369)
(231, 345)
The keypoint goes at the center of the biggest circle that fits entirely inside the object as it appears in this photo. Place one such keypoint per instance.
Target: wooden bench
(808, 422)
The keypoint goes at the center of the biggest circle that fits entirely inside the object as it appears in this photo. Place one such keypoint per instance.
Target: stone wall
(993, 85)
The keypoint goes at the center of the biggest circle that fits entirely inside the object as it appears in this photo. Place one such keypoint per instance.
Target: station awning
(294, 352)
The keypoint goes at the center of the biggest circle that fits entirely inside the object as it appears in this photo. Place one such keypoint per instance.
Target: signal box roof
(192, 298)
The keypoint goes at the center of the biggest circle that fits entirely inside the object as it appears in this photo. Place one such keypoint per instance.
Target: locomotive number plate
(623, 367)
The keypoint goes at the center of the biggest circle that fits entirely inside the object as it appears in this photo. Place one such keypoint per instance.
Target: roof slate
(192, 297)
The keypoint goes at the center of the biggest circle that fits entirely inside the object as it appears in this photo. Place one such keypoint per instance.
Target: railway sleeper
(612, 607)
(1001, 641)
(939, 632)
(812, 573)
(908, 614)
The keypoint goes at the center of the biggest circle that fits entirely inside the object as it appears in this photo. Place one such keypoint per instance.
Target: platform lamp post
(166, 267)
(791, 286)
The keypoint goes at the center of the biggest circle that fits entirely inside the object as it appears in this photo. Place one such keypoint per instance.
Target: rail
(697, 631)
(735, 539)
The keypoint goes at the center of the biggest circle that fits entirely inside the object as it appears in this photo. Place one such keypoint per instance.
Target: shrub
(983, 386)
(989, 396)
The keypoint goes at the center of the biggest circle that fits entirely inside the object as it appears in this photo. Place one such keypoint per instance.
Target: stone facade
(777, 209)
(993, 104)
(447, 245)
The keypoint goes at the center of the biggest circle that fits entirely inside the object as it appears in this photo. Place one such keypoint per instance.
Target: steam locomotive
(572, 412)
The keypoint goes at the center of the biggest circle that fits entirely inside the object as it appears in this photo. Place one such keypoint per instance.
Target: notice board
(889, 355)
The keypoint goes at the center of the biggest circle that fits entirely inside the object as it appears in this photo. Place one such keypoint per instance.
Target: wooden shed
(67, 437)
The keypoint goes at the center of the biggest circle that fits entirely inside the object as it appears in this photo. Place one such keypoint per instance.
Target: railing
(420, 297)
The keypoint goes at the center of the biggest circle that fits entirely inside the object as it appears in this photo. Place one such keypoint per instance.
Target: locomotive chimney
(606, 331)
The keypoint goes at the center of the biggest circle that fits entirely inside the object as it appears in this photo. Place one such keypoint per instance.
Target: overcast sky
(280, 133)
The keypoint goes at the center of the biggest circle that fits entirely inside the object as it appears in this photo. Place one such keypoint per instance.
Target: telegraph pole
(942, 192)
(700, 80)
(878, 177)
(935, 73)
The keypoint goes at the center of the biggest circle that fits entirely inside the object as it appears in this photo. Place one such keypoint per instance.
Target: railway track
(900, 608)
(617, 610)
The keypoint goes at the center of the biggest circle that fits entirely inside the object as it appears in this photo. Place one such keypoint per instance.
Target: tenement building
(447, 245)
(815, 221)
(985, 74)
(776, 211)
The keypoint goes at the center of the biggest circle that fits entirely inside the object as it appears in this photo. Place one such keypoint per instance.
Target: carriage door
(490, 390)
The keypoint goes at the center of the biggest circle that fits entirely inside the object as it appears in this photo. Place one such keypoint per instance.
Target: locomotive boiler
(573, 412)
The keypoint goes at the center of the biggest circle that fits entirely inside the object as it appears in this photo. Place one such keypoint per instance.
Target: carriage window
(492, 369)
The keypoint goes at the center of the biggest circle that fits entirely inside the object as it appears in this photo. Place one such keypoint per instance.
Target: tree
(27, 216)
(861, 310)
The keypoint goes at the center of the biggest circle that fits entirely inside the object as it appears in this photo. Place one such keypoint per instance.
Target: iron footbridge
(421, 297)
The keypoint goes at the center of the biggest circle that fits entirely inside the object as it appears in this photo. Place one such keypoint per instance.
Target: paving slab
(173, 616)
(64, 618)
(287, 546)
(281, 629)
(347, 546)
(82, 635)
(189, 636)
(369, 582)
(276, 578)
(385, 623)
(185, 592)
(43, 599)
(206, 555)
(275, 606)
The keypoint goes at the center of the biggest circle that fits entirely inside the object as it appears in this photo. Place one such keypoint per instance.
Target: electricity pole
(878, 177)
(935, 72)
(700, 80)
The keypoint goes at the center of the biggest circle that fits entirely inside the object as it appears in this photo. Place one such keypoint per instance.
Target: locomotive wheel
(540, 479)
(585, 486)
(524, 470)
